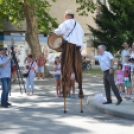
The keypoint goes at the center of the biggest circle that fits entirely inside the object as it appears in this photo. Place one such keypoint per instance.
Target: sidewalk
(124, 110)
(93, 85)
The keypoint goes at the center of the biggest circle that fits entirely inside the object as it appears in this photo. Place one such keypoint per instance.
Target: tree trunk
(32, 32)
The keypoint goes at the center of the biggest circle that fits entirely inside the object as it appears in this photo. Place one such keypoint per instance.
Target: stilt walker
(70, 46)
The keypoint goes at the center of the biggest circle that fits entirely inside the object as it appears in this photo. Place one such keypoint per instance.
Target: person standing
(132, 52)
(57, 69)
(5, 76)
(120, 79)
(106, 61)
(72, 84)
(73, 34)
(127, 77)
(125, 52)
(40, 62)
(14, 67)
(31, 67)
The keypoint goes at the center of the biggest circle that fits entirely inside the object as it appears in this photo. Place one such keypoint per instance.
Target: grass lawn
(94, 71)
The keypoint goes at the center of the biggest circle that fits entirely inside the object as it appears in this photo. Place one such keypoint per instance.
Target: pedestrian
(106, 61)
(14, 65)
(57, 69)
(132, 52)
(125, 52)
(72, 84)
(40, 62)
(30, 67)
(5, 76)
(120, 79)
(127, 77)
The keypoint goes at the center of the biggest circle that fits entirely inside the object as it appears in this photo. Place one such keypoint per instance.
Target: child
(119, 79)
(132, 73)
(127, 77)
(72, 83)
(57, 69)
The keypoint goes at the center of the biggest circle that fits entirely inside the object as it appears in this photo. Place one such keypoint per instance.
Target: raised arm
(3, 64)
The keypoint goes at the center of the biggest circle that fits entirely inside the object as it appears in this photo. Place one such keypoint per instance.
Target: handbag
(25, 75)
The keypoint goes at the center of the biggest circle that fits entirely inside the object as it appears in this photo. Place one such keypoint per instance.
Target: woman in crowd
(14, 65)
(31, 67)
(57, 69)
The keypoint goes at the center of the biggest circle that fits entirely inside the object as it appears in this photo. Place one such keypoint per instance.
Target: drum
(55, 42)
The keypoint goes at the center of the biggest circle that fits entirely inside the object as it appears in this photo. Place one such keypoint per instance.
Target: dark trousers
(110, 83)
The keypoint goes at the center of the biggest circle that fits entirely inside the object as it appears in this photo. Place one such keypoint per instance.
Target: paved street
(42, 113)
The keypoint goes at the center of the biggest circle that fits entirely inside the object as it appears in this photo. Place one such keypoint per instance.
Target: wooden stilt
(81, 108)
(65, 105)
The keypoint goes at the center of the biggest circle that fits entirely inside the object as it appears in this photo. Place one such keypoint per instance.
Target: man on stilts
(73, 34)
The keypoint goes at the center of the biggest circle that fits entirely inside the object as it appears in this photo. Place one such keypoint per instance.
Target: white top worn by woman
(123, 54)
(34, 65)
(58, 71)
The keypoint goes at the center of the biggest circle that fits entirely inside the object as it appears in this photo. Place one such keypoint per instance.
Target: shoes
(107, 102)
(127, 97)
(4, 105)
(73, 96)
(118, 102)
(69, 96)
(9, 104)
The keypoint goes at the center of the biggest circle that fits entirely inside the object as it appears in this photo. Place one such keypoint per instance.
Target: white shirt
(105, 60)
(132, 67)
(123, 54)
(58, 67)
(5, 72)
(76, 36)
(132, 54)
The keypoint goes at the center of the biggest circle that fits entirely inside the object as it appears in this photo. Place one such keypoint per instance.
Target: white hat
(69, 12)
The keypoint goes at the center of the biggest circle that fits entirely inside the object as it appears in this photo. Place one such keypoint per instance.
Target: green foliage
(115, 24)
(13, 10)
(85, 6)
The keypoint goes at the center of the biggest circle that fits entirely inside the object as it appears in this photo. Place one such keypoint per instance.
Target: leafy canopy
(85, 6)
(115, 24)
(13, 10)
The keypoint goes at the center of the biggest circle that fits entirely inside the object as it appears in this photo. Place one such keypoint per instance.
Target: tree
(115, 24)
(35, 12)
(85, 6)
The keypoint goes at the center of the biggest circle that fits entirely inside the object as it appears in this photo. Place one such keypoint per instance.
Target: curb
(98, 106)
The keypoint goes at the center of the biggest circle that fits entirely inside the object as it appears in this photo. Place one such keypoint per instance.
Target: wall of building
(58, 9)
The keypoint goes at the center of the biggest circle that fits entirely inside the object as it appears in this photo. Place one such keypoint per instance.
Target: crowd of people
(124, 75)
(125, 71)
(70, 69)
